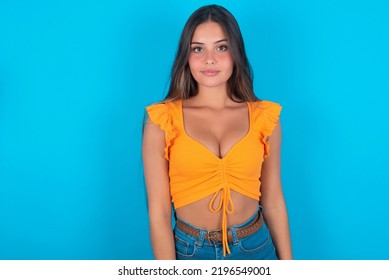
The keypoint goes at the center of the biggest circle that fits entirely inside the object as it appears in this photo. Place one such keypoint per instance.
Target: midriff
(199, 214)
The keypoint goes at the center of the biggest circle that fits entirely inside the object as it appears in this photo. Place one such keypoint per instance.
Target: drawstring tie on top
(228, 208)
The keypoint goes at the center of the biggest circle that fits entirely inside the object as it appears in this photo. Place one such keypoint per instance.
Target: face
(210, 59)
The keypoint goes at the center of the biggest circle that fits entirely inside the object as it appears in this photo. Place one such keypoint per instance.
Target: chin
(212, 85)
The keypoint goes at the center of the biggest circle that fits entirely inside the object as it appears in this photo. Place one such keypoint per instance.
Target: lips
(210, 72)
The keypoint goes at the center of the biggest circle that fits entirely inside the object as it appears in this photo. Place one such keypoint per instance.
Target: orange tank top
(195, 172)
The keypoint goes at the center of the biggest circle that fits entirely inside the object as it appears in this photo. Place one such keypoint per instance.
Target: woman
(213, 149)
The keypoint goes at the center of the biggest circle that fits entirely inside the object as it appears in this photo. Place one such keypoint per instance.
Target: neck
(215, 97)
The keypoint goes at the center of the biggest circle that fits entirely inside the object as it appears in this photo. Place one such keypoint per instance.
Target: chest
(217, 131)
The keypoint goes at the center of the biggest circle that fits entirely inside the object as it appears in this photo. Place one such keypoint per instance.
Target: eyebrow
(199, 43)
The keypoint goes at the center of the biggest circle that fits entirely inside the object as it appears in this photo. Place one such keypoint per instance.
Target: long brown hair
(240, 84)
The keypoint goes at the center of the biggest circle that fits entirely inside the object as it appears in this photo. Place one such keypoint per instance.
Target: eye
(222, 48)
(197, 49)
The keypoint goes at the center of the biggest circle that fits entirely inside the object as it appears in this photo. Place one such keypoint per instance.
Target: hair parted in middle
(240, 84)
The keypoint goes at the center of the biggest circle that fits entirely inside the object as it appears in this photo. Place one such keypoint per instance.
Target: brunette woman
(212, 148)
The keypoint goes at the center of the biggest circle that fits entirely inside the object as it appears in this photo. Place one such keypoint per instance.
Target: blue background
(75, 77)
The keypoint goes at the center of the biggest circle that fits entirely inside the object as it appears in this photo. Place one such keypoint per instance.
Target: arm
(156, 170)
(272, 198)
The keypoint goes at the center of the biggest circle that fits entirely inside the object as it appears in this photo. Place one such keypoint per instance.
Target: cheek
(225, 59)
(228, 61)
(193, 61)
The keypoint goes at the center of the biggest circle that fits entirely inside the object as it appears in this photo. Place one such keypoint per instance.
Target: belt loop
(235, 238)
(200, 240)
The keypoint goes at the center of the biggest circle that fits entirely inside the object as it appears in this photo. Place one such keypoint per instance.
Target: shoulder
(265, 105)
(162, 115)
(163, 105)
(264, 109)
(265, 116)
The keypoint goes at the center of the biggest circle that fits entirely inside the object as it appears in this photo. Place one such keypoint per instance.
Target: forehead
(209, 31)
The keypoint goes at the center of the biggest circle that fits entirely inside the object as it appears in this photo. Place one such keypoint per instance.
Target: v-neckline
(204, 146)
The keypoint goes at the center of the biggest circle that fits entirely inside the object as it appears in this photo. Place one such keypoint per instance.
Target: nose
(209, 58)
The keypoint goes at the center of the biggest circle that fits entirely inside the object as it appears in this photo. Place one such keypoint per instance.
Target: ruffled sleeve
(267, 116)
(159, 114)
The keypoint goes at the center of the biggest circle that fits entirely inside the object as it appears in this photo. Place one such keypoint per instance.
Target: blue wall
(75, 77)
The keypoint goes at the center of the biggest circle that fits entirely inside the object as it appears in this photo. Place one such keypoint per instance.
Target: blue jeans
(258, 246)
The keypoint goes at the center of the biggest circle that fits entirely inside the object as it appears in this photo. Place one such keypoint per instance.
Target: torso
(218, 130)
(198, 213)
